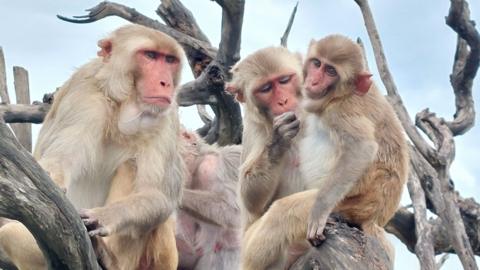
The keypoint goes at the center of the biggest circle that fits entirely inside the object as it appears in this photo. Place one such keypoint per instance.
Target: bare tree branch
(387, 79)
(402, 225)
(424, 246)
(177, 16)
(284, 39)
(106, 9)
(21, 113)
(3, 79)
(29, 196)
(362, 46)
(22, 131)
(465, 66)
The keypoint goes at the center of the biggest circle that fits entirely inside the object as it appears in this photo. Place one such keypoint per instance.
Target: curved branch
(402, 225)
(105, 9)
(46, 212)
(465, 66)
(177, 16)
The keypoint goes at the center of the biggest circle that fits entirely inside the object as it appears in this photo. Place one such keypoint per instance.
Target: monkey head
(268, 82)
(140, 58)
(334, 70)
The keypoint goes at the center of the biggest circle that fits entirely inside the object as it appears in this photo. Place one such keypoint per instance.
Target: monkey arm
(258, 183)
(212, 207)
(356, 155)
(135, 213)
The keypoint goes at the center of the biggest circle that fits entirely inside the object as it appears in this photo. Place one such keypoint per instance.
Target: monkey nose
(283, 103)
(164, 84)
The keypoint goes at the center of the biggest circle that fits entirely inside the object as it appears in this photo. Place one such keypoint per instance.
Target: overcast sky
(418, 44)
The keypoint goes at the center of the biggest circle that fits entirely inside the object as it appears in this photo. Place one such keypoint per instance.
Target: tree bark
(28, 195)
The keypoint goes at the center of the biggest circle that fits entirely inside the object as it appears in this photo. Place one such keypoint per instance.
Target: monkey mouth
(157, 100)
(317, 93)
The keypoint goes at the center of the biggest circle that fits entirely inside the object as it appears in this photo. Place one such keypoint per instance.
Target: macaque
(208, 223)
(352, 158)
(116, 118)
(354, 150)
(268, 83)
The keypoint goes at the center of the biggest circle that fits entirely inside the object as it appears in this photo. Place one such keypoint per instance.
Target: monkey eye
(265, 88)
(316, 62)
(151, 54)
(170, 59)
(285, 79)
(330, 70)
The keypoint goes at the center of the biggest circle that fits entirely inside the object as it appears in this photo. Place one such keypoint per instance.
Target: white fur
(316, 152)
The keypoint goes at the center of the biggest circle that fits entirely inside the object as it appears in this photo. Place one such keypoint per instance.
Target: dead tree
(456, 227)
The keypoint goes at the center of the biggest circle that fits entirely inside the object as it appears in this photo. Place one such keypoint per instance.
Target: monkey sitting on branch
(350, 156)
(111, 141)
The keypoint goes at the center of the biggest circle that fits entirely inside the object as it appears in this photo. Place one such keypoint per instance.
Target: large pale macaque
(352, 157)
(116, 118)
(208, 223)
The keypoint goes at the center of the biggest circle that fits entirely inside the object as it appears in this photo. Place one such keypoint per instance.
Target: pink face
(157, 72)
(320, 78)
(279, 93)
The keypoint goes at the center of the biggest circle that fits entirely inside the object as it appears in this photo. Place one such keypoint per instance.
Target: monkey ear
(105, 48)
(235, 91)
(186, 135)
(363, 83)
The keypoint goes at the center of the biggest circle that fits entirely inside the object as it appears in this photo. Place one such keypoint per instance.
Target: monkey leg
(161, 247)
(20, 247)
(265, 243)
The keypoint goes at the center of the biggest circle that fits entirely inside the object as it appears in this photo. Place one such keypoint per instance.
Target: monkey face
(278, 93)
(321, 78)
(155, 84)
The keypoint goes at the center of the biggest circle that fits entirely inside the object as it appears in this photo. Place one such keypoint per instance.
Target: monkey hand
(316, 225)
(92, 223)
(285, 128)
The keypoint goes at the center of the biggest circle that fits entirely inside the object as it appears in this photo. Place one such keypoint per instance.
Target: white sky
(418, 44)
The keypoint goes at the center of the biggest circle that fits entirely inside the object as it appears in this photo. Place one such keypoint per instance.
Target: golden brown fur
(353, 160)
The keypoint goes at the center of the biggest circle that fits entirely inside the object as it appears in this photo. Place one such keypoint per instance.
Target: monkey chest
(317, 153)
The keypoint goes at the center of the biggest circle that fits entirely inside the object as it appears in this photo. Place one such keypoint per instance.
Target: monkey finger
(284, 118)
(101, 231)
(91, 224)
(317, 240)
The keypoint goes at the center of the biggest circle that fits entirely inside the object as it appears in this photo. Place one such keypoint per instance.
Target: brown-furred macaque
(208, 222)
(352, 156)
(268, 83)
(116, 118)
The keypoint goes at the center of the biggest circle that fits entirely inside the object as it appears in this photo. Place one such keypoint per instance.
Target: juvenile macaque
(354, 151)
(208, 223)
(268, 83)
(117, 116)
(352, 158)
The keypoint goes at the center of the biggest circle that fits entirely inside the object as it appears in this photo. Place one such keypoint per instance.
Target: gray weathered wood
(21, 113)
(28, 195)
(23, 131)
(345, 248)
(424, 247)
(3, 79)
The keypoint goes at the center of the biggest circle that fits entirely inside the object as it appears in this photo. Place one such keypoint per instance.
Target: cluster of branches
(455, 228)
